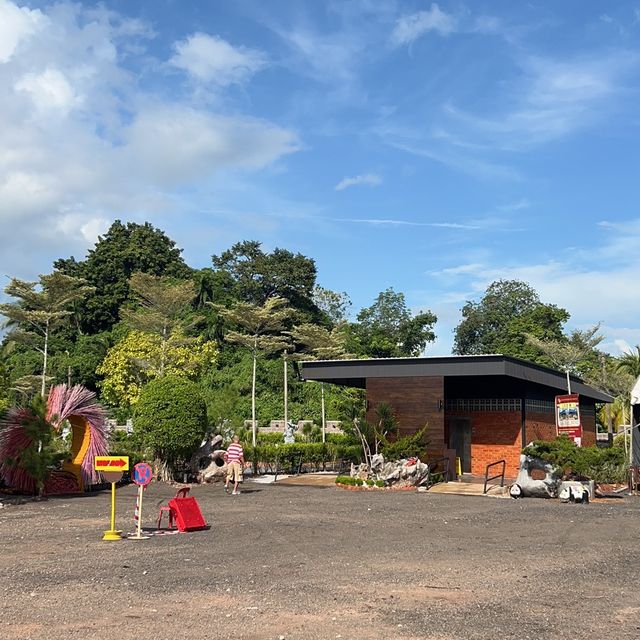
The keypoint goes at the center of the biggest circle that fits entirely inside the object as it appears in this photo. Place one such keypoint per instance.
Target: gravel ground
(312, 563)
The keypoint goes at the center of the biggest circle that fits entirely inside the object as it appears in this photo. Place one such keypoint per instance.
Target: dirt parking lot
(299, 562)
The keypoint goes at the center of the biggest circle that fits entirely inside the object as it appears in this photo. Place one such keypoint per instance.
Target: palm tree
(630, 363)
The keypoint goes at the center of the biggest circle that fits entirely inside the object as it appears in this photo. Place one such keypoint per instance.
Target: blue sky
(429, 147)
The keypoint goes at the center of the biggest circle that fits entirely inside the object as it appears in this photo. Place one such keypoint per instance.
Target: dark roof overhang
(354, 373)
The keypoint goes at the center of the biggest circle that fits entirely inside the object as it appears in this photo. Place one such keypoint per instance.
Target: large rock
(207, 463)
(409, 471)
(537, 478)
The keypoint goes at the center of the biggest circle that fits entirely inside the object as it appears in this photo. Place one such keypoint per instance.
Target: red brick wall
(415, 402)
(588, 431)
(542, 426)
(495, 435)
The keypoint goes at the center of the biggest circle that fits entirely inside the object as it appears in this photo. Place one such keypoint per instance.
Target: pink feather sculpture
(87, 418)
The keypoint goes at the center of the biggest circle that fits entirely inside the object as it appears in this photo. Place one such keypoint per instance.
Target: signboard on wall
(568, 421)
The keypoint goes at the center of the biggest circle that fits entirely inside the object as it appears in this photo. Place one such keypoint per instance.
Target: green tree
(4, 388)
(161, 312)
(332, 304)
(37, 313)
(630, 363)
(258, 276)
(171, 420)
(139, 357)
(387, 329)
(500, 322)
(124, 250)
(579, 348)
(260, 330)
(317, 342)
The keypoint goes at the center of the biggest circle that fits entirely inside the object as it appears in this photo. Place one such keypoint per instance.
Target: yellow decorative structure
(80, 442)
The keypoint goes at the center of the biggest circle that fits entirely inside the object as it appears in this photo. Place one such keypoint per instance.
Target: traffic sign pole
(112, 468)
(142, 476)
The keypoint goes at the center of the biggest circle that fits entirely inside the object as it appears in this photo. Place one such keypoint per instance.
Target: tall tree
(568, 354)
(387, 329)
(122, 251)
(139, 357)
(258, 276)
(260, 329)
(332, 304)
(629, 362)
(502, 319)
(162, 309)
(320, 343)
(317, 342)
(38, 312)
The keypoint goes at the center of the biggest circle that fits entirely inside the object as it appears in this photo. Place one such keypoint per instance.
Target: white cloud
(370, 179)
(88, 144)
(211, 59)
(49, 90)
(79, 226)
(593, 284)
(16, 25)
(176, 144)
(390, 222)
(552, 98)
(410, 27)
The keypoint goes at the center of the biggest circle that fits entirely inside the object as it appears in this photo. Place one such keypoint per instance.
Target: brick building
(485, 408)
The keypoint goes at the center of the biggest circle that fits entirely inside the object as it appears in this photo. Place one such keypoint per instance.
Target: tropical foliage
(170, 420)
(132, 313)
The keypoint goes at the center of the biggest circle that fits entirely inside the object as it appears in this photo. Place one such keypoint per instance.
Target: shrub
(348, 480)
(171, 420)
(359, 482)
(344, 439)
(125, 444)
(289, 455)
(379, 483)
(599, 464)
(405, 446)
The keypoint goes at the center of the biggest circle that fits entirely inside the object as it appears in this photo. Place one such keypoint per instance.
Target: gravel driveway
(299, 562)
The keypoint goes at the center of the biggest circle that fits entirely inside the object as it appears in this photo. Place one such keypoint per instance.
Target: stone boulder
(536, 479)
(207, 463)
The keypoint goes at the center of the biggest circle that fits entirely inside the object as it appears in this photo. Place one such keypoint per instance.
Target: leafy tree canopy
(171, 420)
(387, 329)
(258, 276)
(122, 251)
(501, 320)
(140, 357)
(332, 304)
(40, 308)
(630, 363)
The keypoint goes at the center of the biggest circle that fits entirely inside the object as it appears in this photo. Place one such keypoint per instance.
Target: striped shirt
(234, 453)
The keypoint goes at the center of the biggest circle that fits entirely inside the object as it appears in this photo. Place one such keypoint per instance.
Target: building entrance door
(460, 440)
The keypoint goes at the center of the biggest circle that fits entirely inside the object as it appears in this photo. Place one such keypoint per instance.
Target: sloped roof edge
(354, 372)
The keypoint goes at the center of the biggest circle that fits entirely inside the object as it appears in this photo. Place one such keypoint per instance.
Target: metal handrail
(432, 465)
(499, 475)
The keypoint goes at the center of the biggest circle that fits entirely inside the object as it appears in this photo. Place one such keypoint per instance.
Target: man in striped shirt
(235, 464)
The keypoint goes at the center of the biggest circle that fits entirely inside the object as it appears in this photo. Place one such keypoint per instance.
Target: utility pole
(324, 422)
(286, 392)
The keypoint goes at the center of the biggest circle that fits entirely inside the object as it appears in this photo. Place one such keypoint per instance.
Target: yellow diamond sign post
(112, 468)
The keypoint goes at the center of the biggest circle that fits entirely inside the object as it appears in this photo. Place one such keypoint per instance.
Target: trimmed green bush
(405, 446)
(607, 464)
(171, 420)
(305, 452)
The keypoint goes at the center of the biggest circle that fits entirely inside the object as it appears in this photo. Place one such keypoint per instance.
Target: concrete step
(470, 489)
